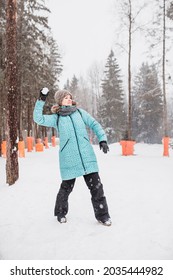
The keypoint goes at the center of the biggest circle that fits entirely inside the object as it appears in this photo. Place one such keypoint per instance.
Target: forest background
(130, 103)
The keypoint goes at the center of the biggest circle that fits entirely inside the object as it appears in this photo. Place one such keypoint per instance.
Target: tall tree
(112, 101)
(95, 74)
(31, 45)
(129, 71)
(165, 113)
(12, 168)
(38, 61)
(161, 45)
(129, 13)
(20, 24)
(67, 85)
(148, 106)
(74, 88)
(2, 71)
(170, 103)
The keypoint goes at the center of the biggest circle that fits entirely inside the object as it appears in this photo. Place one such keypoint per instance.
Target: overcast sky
(83, 31)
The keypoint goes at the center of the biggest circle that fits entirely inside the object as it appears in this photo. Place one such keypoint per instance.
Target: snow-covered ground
(139, 191)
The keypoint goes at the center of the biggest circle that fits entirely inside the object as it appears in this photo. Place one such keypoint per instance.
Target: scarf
(66, 110)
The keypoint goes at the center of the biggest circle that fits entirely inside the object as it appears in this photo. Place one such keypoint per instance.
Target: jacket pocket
(64, 145)
(86, 138)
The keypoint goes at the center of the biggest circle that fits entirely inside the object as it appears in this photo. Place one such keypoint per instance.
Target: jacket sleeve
(94, 125)
(45, 120)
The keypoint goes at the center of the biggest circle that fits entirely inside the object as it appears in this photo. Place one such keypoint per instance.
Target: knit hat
(59, 96)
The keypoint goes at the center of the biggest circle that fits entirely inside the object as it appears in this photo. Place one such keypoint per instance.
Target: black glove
(103, 146)
(43, 94)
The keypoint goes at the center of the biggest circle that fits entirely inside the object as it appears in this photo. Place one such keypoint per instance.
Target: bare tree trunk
(2, 86)
(12, 168)
(20, 72)
(129, 74)
(165, 122)
(30, 119)
(53, 132)
(0, 126)
(1, 115)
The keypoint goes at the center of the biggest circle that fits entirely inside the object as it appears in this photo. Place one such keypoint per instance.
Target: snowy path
(139, 192)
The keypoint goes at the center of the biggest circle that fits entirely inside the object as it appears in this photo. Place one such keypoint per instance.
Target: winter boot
(61, 219)
(106, 222)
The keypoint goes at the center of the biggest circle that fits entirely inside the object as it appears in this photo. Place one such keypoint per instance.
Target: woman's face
(67, 101)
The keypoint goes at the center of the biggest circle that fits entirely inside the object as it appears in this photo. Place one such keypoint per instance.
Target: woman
(76, 154)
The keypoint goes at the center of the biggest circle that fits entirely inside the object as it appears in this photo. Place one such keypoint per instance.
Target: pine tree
(52, 70)
(170, 11)
(74, 84)
(85, 97)
(74, 89)
(112, 107)
(38, 56)
(95, 74)
(148, 106)
(38, 62)
(67, 85)
(80, 91)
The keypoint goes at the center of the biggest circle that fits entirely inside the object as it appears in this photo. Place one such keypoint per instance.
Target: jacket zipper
(78, 145)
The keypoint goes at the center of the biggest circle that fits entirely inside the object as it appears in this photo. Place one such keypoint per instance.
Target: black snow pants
(97, 197)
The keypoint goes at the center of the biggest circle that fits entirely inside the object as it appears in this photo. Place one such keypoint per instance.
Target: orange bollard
(21, 149)
(166, 146)
(127, 147)
(130, 147)
(53, 140)
(39, 146)
(46, 142)
(4, 148)
(29, 144)
(123, 145)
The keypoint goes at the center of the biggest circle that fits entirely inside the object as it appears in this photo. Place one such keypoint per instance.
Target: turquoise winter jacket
(76, 154)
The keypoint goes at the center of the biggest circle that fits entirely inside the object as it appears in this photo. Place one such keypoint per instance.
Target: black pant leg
(61, 204)
(97, 196)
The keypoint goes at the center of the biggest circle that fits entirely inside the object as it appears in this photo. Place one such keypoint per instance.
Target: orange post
(127, 147)
(53, 140)
(39, 146)
(4, 148)
(123, 145)
(130, 147)
(46, 142)
(21, 149)
(29, 144)
(166, 146)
